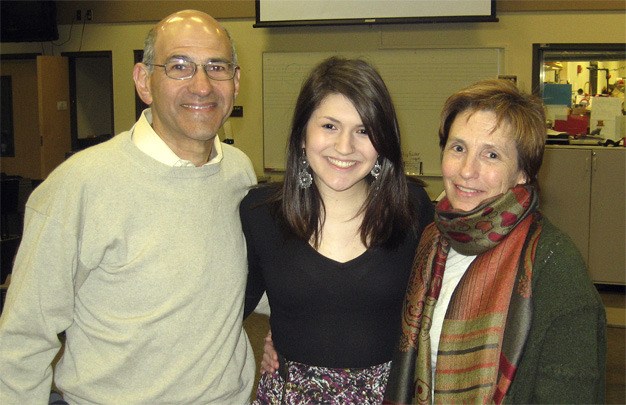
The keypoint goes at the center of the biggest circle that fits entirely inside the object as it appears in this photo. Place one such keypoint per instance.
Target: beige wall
(515, 31)
(107, 11)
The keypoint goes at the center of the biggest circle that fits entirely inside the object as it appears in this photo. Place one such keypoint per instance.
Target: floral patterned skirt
(320, 385)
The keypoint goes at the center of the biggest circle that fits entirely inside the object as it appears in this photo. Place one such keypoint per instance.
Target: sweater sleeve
(565, 356)
(39, 306)
(571, 368)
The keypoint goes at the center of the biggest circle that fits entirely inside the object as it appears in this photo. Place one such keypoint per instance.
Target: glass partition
(596, 69)
(582, 88)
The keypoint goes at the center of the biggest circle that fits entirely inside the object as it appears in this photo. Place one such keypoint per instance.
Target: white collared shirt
(151, 144)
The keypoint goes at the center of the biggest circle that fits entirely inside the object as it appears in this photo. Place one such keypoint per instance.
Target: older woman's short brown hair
(523, 113)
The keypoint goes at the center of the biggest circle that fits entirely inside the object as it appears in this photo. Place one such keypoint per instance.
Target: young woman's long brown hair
(387, 212)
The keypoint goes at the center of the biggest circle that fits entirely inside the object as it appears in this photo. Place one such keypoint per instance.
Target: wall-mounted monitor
(284, 13)
(28, 21)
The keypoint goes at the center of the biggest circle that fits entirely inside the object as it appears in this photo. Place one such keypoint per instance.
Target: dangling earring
(376, 170)
(304, 177)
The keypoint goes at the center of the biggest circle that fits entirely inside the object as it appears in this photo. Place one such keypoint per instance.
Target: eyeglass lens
(180, 69)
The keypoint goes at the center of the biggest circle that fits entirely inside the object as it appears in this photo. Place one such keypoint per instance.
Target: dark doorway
(91, 97)
(6, 121)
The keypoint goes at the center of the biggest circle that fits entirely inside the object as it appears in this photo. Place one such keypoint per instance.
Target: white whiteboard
(419, 80)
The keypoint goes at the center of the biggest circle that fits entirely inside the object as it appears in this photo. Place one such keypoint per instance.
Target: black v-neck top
(323, 312)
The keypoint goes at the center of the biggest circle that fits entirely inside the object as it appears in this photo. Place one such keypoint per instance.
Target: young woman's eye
(362, 131)
(328, 126)
(457, 148)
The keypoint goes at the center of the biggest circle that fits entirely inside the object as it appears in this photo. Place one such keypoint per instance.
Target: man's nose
(200, 82)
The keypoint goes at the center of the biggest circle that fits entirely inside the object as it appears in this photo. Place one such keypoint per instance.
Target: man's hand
(269, 364)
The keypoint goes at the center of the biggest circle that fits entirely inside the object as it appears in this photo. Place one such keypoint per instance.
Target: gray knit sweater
(158, 318)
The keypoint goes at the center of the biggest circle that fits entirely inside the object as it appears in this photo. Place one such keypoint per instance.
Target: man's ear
(236, 81)
(141, 76)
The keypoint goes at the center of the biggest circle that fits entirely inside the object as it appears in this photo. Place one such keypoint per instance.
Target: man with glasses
(133, 248)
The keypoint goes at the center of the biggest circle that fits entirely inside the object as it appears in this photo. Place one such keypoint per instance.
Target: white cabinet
(583, 193)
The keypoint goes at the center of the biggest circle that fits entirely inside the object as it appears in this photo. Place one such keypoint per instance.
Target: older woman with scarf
(499, 307)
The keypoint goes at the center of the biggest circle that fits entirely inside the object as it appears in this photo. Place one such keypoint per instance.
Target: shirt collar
(151, 144)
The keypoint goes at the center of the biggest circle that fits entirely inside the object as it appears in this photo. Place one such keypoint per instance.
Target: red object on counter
(575, 125)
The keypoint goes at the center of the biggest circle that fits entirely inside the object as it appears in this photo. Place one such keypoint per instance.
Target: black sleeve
(255, 286)
(254, 289)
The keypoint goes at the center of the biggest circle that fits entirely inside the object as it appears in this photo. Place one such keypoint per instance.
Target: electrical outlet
(88, 15)
(237, 111)
(79, 15)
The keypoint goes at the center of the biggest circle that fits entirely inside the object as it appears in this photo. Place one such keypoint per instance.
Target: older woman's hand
(269, 363)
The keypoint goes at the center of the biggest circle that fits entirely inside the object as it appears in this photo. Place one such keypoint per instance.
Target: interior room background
(120, 28)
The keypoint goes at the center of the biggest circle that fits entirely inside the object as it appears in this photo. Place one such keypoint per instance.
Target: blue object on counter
(557, 94)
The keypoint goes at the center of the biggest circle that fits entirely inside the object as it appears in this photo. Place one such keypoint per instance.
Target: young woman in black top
(333, 244)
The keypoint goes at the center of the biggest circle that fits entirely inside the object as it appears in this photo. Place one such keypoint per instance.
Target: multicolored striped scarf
(488, 318)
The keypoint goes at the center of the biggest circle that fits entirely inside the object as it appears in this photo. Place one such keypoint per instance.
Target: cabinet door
(607, 246)
(564, 181)
(54, 117)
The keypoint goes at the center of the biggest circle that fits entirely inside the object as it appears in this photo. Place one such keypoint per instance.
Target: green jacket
(565, 355)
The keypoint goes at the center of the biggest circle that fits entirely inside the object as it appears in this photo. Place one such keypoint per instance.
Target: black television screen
(28, 21)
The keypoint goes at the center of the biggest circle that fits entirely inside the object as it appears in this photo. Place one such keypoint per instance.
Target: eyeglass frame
(195, 68)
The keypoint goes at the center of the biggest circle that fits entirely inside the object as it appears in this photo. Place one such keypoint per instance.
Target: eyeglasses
(184, 69)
